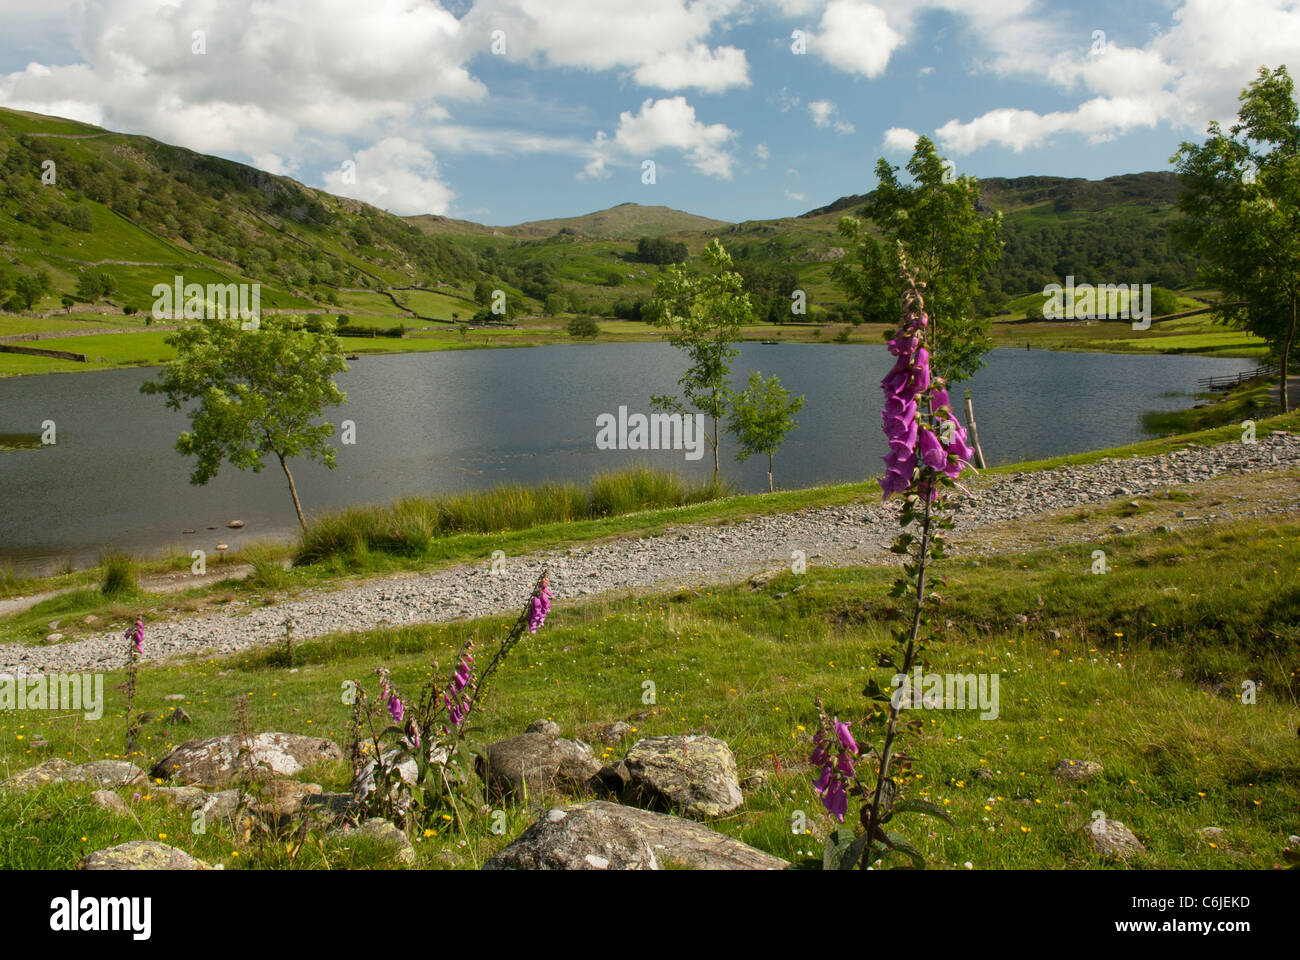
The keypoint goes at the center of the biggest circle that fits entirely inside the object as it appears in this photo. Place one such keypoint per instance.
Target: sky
(503, 111)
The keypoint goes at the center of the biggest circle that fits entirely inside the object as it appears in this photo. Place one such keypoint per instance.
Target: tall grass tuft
(410, 526)
(121, 574)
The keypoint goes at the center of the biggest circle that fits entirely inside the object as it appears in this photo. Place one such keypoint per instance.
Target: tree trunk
(293, 490)
(770, 489)
(974, 432)
(717, 440)
(1286, 357)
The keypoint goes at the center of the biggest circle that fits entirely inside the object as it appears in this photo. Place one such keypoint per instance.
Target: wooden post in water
(974, 431)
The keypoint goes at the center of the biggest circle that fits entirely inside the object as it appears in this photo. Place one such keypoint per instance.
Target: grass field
(1116, 669)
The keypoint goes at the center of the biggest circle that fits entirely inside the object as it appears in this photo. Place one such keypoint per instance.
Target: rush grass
(1140, 669)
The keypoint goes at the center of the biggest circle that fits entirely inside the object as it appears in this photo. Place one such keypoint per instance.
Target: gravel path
(685, 556)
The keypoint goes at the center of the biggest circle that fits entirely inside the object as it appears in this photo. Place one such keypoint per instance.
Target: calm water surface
(440, 422)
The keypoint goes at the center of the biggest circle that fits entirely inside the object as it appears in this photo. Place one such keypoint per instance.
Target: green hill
(140, 211)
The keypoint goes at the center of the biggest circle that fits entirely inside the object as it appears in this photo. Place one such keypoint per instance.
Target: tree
(1242, 213)
(950, 245)
(259, 392)
(555, 303)
(761, 416)
(583, 328)
(90, 285)
(30, 287)
(703, 314)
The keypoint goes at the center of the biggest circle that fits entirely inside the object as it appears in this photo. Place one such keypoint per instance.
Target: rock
(104, 773)
(534, 764)
(755, 781)
(548, 727)
(287, 796)
(235, 524)
(383, 832)
(1213, 834)
(187, 798)
(108, 773)
(1110, 838)
(141, 855)
(598, 835)
(53, 624)
(615, 732)
(695, 774)
(108, 800)
(39, 776)
(53, 637)
(215, 761)
(1076, 770)
(175, 696)
(90, 619)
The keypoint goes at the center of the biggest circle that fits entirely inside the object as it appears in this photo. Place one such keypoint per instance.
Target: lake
(441, 422)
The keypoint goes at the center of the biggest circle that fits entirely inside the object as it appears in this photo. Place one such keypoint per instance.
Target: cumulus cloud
(826, 114)
(396, 174)
(659, 43)
(855, 36)
(1185, 76)
(900, 140)
(669, 123)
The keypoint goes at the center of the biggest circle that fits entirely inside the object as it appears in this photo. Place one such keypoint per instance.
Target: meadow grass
(409, 526)
(1139, 670)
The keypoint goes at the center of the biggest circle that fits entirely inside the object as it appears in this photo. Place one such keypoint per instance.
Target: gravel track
(681, 557)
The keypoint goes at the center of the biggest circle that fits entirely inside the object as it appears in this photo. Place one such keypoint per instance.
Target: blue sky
(422, 107)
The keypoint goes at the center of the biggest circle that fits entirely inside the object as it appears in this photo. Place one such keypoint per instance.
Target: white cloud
(826, 114)
(855, 36)
(659, 43)
(396, 174)
(669, 123)
(791, 195)
(762, 153)
(900, 140)
(1185, 76)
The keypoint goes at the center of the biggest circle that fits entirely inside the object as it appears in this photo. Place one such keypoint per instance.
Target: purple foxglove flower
(846, 738)
(931, 451)
(836, 800)
(396, 708)
(823, 782)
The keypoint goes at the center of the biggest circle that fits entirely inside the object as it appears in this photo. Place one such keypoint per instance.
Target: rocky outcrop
(1113, 840)
(538, 764)
(1076, 771)
(696, 775)
(141, 855)
(598, 835)
(103, 773)
(216, 761)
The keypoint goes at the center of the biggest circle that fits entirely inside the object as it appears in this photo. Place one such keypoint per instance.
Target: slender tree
(258, 392)
(1242, 213)
(761, 416)
(703, 314)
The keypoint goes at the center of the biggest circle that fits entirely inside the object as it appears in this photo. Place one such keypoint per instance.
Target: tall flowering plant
(432, 730)
(134, 651)
(927, 453)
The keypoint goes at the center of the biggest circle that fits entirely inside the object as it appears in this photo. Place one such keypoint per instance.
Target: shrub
(121, 574)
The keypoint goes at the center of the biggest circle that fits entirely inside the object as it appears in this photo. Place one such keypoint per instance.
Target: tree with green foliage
(258, 392)
(1163, 302)
(29, 288)
(761, 416)
(583, 328)
(92, 284)
(555, 304)
(951, 246)
(1242, 213)
(660, 250)
(703, 313)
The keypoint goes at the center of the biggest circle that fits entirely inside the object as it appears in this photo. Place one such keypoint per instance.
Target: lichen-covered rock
(615, 732)
(548, 727)
(1076, 770)
(697, 775)
(1110, 838)
(537, 764)
(598, 835)
(285, 797)
(104, 773)
(108, 773)
(216, 761)
(141, 855)
(187, 798)
(579, 838)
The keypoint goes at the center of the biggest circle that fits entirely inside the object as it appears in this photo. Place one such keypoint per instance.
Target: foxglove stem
(886, 753)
